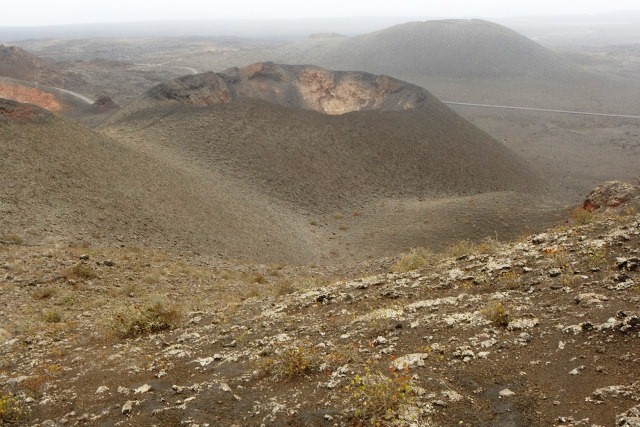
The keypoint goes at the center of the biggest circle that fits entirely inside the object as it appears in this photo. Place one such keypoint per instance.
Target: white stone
(520, 324)
(128, 407)
(206, 361)
(410, 361)
(143, 389)
(102, 389)
(577, 370)
(506, 393)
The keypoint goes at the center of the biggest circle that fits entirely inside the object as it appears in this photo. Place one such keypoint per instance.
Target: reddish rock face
(15, 111)
(305, 87)
(30, 95)
(104, 103)
(611, 195)
(329, 92)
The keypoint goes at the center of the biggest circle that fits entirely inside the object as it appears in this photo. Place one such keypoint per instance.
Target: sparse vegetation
(140, 319)
(596, 259)
(39, 378)
(52, 316)
(258, 278)
(487, 246)
(293, 362)
(44, 293)
(581, 216)
(559, 257)
(510, 280)
(13, 239)
(460, 248)
(152, 278)
(498, 314)
(81, 271)
(285, 287)
(416, 258)
(377, 399)
(11, 409)
(65, 299)
(465, 247)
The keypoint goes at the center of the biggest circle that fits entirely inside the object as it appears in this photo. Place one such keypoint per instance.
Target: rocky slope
(540, 332)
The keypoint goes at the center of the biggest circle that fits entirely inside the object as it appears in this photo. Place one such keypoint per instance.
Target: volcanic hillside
(370, 182)
(448, 48)
(195, 164)
(320, 162)
(19, 64)
(457, 60)
(294, 86)
(65, 184)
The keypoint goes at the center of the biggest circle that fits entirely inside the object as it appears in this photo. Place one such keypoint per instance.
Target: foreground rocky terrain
(542, 331)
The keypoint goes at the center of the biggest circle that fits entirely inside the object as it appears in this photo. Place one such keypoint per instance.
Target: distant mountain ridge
(17, 63)
(449, 48)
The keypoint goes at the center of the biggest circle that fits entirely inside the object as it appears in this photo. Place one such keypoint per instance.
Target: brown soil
(274, 345)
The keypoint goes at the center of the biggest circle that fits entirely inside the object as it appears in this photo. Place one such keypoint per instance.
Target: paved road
(544, 110)
(164, 64)
(77, 95)
(193, 70)
(467, 104)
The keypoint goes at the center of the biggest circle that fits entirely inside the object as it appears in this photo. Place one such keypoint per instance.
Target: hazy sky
(47, 12)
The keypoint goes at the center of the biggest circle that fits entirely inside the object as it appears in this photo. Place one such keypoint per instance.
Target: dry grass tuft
(52, 316)
(81, 271)
(415, 259)
(293, 362)
(461, 248)
(135, 320)
(12, 412)
(498, 314)
(44, 293)
(581, 216)
(378, 399)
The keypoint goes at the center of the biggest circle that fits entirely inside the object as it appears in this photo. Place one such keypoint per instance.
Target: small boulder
(128, 407)
(555, 272)
(506, 393)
